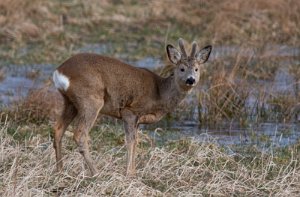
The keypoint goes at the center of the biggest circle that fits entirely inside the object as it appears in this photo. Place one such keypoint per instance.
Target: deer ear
(173, 54)
(203, 55)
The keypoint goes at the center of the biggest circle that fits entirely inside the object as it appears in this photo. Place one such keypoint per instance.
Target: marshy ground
(236, 135)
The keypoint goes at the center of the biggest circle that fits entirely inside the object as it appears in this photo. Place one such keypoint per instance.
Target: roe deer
(91, 83)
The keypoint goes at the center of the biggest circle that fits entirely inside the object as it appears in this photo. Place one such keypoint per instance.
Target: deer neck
(170, 94)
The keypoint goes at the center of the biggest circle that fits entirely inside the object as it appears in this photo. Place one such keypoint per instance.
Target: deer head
(187, 68)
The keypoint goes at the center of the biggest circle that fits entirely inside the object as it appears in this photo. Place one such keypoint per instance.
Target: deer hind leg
(67, 116)
(87, 114)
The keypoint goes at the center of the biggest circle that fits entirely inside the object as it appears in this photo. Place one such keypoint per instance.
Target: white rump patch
(61, 81)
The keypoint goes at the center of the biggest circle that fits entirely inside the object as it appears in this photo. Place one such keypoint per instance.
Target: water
(19, 80)
(264, 135)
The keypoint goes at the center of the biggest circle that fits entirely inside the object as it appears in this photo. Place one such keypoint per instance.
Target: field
(251, 79)
(184, 167)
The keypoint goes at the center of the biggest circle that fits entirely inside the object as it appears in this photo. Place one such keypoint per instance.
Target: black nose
(190, 81)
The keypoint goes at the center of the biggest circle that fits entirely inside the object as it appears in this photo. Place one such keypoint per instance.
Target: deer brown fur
(91, 84)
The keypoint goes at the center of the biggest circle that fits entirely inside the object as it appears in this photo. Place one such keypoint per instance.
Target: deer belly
(111, 110)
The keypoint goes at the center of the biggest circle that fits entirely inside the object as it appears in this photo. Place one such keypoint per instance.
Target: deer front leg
(131, 152)
(130, 125)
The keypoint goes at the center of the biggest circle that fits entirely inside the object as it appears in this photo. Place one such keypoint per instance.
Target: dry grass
(2, 74)
(39, 106)
(22, 20)
(227, 91)
(25, 25)
(254, 21)
(183, 168)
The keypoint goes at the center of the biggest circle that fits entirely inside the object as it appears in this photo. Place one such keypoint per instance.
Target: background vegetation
(256, 47)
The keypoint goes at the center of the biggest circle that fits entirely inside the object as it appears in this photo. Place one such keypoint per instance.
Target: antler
(180, 42)
(194, 48)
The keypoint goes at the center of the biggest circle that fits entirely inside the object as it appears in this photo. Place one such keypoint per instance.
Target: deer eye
(182, 69)
(196, 69)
